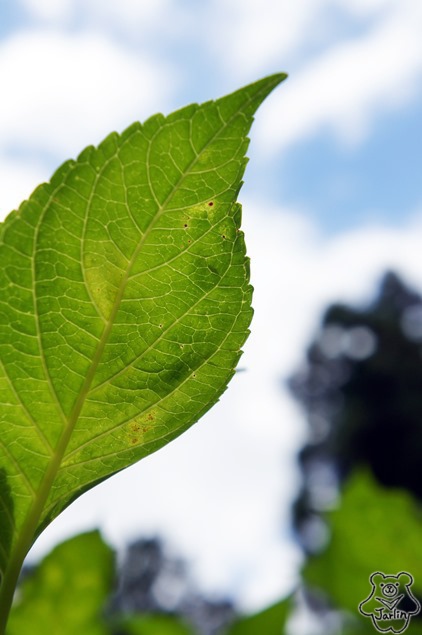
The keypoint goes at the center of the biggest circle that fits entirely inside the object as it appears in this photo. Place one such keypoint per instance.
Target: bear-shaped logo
(391, 603)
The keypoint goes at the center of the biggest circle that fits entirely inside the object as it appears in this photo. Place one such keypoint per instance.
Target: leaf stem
(8, 586)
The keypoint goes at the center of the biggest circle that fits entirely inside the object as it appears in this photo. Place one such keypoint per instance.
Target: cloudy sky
(331, 199)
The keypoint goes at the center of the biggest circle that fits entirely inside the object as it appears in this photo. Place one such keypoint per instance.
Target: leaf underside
(124, 304)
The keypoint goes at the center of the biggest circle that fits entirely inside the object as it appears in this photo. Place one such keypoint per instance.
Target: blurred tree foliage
(154, 582)
(358, 510)
(374, 529)
(74, 590)
(361, 388)
(77, 589)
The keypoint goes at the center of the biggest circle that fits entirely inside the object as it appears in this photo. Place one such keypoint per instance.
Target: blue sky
(331, 199)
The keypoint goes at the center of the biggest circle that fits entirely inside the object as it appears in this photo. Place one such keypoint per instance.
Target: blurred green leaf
(66, 592)
(154, 625)
(374, 529)
(270, 621)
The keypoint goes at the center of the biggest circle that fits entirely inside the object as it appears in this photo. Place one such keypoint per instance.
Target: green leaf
(124, 304)
(67, 591)
(375, 529)
(153, 625)
(270, 621)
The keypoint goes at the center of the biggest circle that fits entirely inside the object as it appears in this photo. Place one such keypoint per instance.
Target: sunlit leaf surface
(124, 304)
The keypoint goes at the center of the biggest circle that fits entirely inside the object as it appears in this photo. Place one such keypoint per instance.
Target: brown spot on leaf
(140, 426)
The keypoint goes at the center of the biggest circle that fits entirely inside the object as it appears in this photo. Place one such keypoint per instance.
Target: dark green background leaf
(271, 621)
(66, 593)
(154, 625)
(374, 529)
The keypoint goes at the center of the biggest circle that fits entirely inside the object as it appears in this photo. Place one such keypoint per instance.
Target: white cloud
(130, 14)
(344, 85)
(342, 88)
(51, 11)
(365, 7)
(18, 180)
(127, 13)
(222, 492)
(250, 35)
(349, 86)
(65, 91)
